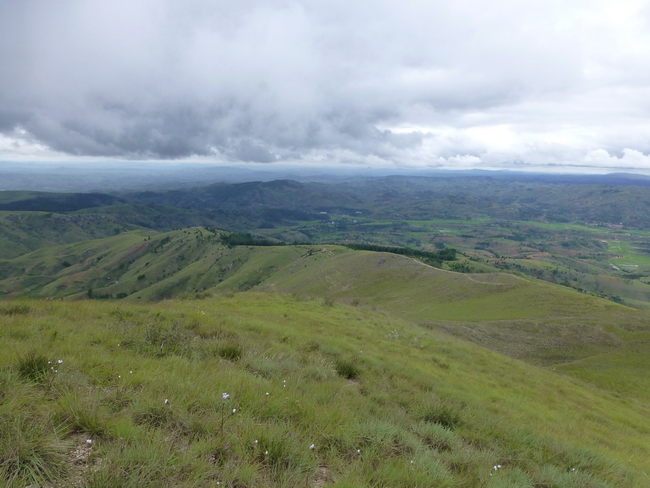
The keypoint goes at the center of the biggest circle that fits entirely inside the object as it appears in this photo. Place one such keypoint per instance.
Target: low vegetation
(271, 390)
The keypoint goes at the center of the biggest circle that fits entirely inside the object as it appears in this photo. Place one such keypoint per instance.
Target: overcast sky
(515, 84)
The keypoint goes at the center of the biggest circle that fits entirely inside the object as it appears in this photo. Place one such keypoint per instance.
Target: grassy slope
(23, 232)
(593, 339)
(61, 270)
(523, 318)
(423, 408)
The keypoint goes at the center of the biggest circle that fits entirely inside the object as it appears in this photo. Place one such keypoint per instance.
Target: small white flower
(166, 401)
(119, 375)
(225, 396)
(358, 451)
(266, 452)
(60, 361)
(130, 372)
(311, 447)
(267, 393)
(412, 462)
(255, 441)
(234, 410)
(89, 441)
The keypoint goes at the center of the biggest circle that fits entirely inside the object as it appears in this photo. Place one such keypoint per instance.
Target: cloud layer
(454, 83)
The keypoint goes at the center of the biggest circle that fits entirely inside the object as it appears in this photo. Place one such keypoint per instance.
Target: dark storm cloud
(413, 82)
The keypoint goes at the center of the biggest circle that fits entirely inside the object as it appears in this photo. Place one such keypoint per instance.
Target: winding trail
(469, 277)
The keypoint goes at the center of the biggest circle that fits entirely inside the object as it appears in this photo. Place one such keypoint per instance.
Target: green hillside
(250, 389)
(523, 318)
(505, 312)
(23, 232)
(570, 231)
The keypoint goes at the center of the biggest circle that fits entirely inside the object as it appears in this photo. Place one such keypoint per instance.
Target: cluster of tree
(430, 257)
(246, 239)
(52, 202)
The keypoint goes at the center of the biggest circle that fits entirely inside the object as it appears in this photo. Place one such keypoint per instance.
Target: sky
(457, 84)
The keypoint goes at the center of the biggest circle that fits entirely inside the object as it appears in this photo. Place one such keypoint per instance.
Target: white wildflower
(225, 396)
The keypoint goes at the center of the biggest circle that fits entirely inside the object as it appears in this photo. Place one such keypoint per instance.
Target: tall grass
(264, 390)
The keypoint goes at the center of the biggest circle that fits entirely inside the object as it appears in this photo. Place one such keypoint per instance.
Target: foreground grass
(270, 390)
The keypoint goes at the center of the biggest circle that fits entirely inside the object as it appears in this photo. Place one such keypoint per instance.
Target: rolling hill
(188, 360)
(523, 318)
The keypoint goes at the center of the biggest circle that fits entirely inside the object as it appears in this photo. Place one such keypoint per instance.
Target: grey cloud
(265, 80)
(250, 151)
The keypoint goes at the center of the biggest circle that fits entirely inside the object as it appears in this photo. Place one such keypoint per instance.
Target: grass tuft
(443, 415)
(346, 369)
(15, 309)
(34, 367)
(231, 352)
(31, 451)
